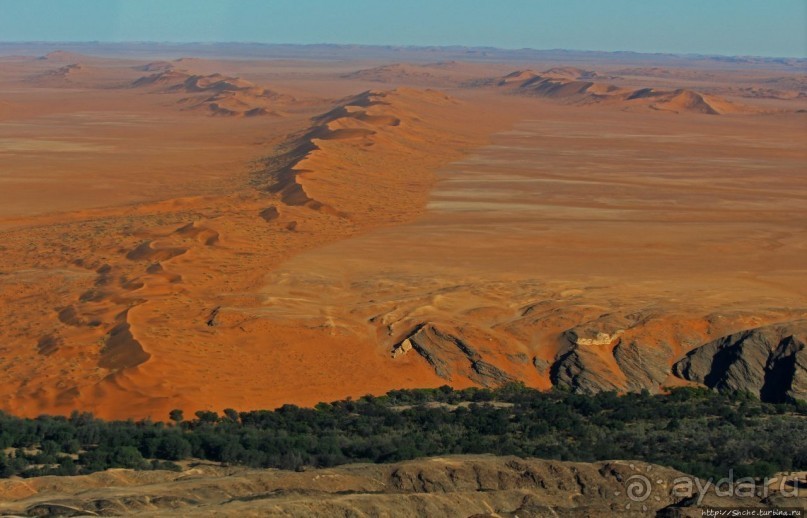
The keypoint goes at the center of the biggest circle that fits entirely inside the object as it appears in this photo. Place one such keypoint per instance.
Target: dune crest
(383, 122)
(577, 86)
(517, 77)
(572, 73)
(169, 296)
(155, 66)
(215, 93)
(63, 76)
(152, 257)
(689, 100)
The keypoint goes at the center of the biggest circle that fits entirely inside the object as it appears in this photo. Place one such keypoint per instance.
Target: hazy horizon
(720, 27)
(368, 45)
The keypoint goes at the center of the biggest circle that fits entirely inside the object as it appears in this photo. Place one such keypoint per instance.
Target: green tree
(176, 415)
(173, 446)
(128, 457)
(207, 416)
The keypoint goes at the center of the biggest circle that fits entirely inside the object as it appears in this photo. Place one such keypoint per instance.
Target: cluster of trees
(695, 430)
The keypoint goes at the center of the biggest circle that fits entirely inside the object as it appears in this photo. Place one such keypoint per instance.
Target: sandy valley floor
(211, 233)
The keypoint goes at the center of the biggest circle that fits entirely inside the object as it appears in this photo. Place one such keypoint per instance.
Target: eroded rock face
(446, 486)
(769, 361)
(644, 367)
(622, 352)
(583, 371)
(443, 349)
(466, 485)
(402, 348)
(598, 358)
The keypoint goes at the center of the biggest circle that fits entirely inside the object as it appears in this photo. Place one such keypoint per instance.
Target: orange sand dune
(155, 66)
(66, 72)
(74, 75)
(155, 258)
(685, 100)
(323, 160)
(518, 77)
(215, 93)
(157, 305)
(574, 85)
(572, 73)
(586, 253)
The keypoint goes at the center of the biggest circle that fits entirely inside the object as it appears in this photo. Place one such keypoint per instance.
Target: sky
(729, 27)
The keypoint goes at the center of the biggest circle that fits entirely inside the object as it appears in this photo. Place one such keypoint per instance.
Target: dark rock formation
(584, 372)
(644, 367)
(769, 361)
(443, 349)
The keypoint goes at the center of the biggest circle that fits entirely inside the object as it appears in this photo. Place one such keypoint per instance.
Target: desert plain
(203, 228)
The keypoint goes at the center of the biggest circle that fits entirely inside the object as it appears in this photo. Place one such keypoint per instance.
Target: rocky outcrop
(769, 361)
(601, 350)
(540, 365)
(480, 485)
(584, 372)
(402, 348)
(450, 355)
(644, 367)
(586, 364)
(599, 339)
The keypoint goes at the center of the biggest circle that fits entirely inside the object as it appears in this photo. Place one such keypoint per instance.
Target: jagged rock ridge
(769, 361)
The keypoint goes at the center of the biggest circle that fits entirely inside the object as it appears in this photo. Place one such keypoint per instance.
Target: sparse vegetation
(694, 430)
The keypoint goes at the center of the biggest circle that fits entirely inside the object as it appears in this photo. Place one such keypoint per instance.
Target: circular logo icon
(639, 487)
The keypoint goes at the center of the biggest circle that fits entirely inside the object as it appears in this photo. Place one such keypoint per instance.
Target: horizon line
(406, 46)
